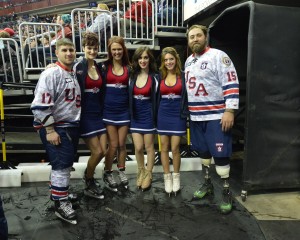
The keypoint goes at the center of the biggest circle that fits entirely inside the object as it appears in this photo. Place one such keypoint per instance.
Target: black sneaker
(92, 190)
(64, 210)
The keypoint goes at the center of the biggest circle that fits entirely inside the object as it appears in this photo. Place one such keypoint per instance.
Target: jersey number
(46, 98)
(231, 76)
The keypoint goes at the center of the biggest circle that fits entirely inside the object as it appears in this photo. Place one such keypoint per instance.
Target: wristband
(229, 110)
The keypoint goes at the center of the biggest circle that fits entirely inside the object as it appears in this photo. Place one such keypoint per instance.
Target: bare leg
(175, 144)
(165, 141)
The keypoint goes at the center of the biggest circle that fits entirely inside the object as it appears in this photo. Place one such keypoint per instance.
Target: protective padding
(206, 162)
(223, 171)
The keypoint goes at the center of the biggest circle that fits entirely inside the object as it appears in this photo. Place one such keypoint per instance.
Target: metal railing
(35, 54)
(169, 16)
(10, 62)
(98, 21)
(136, 24)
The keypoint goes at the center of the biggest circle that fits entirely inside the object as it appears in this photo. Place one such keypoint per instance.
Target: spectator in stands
(143, 85)
(116, 110)
(9, 69)
(102, 21)
(4, 34)
(139, 11)
(65, 21)
(45, 41)
(92, 128)
(172, 115)
(56, 109)
(33, 52)
(169, 13)
(3, 223)
(10, 31)
(35, 42)
(139, 15)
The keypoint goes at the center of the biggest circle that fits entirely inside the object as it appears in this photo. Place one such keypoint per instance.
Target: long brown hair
(119, 40)
(135, 60)
(162, 68)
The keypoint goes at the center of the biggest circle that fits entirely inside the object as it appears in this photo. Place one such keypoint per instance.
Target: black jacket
(154, 89)
(81, 73)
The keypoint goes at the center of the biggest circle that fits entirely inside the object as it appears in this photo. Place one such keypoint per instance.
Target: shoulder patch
(226, 61)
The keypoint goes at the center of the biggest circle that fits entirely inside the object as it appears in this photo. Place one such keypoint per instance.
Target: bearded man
(213, 95)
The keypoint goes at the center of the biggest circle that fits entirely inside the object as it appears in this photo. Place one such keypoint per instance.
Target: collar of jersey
(63, 67)
(204, 51)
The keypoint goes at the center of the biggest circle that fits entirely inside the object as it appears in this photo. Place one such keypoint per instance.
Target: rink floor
(133, 214)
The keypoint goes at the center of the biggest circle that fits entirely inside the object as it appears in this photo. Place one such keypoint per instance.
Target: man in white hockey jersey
(56, 109)
(213, 95)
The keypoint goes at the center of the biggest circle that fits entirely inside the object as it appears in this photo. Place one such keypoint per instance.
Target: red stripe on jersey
(59, 193)
(207, 108)
(231, 91)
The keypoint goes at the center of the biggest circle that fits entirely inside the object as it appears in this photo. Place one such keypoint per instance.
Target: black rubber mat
(128, 214)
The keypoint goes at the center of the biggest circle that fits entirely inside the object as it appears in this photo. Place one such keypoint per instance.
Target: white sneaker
(168, 183)
(176, 182)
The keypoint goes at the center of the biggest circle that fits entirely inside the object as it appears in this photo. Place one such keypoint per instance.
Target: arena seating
(136, 33)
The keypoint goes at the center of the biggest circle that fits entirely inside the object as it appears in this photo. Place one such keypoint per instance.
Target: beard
(198, 48)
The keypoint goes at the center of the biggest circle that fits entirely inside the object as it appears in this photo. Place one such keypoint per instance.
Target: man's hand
(227, 121)
(53, 138)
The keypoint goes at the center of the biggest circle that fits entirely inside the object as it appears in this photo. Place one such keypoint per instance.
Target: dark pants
(3, 224)
(63, 155)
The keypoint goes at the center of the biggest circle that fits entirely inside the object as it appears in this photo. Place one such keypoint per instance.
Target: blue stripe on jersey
(236, 96)
(39, 107)
(192, 104)
(230, 86)
(208, 112)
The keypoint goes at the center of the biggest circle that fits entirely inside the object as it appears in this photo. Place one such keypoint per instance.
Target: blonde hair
(4, 34)
(102, 6)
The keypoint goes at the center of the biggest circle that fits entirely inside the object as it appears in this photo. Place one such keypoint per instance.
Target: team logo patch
(226, 61)
(118, 85)
(219, 147)
(140, 97)
(203, 65)
(171, 95)
(68, 80)
(96, 90)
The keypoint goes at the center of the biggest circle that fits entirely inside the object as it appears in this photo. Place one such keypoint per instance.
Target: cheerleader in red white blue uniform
(172, 114)
(143, 86)
(116, 110)
(92, 128)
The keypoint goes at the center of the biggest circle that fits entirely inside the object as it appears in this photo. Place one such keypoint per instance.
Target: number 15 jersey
(211, 84)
